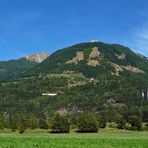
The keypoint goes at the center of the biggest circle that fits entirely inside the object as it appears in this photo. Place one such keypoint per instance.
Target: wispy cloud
(3, 41)
(140, 39)
(137, 39)
(17, 20)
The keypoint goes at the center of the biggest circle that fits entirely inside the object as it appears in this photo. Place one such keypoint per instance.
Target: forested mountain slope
(104, 78)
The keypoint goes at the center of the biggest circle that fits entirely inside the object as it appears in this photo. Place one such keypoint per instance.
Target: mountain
(142, 56)
(95, 76)
(93, 59)
(13, 68)
(38, 58)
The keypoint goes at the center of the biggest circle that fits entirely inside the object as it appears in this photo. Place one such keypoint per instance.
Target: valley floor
(102, 139)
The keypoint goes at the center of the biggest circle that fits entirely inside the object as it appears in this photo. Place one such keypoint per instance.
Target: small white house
(91, 80)
(49, 94)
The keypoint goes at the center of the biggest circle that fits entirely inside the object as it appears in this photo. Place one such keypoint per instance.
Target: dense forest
(103, 89)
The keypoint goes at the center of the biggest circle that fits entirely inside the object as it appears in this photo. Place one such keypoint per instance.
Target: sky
(33, 26)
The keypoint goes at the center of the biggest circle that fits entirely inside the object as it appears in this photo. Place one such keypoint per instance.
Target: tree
(102, 122)
(120, 121)
(146, 125)
(22, 124)
(13, 119)
(135, 122)
(2, 122)
(43, 123)
(87, 122)
(60, 124)
(33, 122)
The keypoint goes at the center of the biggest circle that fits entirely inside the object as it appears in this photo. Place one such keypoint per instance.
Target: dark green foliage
(55, 63)
(2, 122)
(87, 122)
(33, 122)
(13, 122)
(74, 90)
(102, 122)
(43, 123)
(145, 113)
(120, 121)
(146, 124)
(14, 68)
(135, 122)
(21, 125)
(60, 124)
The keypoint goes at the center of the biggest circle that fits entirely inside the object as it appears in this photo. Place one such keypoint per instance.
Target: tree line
(62, 123)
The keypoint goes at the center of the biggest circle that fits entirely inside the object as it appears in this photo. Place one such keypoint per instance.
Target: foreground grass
(102, 139)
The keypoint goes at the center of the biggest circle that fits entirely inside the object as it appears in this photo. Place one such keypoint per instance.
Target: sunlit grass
(101, 139)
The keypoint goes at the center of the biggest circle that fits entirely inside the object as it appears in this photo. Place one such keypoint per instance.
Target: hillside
(104, 78)
(93, 59)
(14, 68)
(38, 58)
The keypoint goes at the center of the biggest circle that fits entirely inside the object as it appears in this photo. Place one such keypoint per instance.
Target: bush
(102, 122)
(112, 125)
(87, 122)
(1, 122)
(43, 123)
(120, 121)
(60, 124)
(146, 125)
(21, 124)
(135, 122)
(33, 122)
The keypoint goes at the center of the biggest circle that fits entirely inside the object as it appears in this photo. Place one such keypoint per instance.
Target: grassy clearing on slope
(75, 140)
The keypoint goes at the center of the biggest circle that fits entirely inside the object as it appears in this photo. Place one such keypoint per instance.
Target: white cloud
(139, 39)
(15, 21)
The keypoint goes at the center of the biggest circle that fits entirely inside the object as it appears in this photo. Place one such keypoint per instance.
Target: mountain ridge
(38, 58)
(13, 68)
(83, 77)
(77, 56)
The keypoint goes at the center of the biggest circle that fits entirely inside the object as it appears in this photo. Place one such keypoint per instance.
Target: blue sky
(32, 26)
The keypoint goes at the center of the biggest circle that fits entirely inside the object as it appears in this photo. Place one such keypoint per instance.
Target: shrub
(120, 121)
(112, 125)
(102, 122)
(21, 124)
(87, 122)
(60, 124)
(43, 123)
(1, 122)
(146, 124)
(135, 122)
(33, 122)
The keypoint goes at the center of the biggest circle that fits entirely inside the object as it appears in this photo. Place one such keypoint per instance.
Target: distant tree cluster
(84, 122)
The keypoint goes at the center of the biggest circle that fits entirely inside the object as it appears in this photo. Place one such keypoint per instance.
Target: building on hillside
(91, 80)
(111, 101)
(49, 94)
(145, 94)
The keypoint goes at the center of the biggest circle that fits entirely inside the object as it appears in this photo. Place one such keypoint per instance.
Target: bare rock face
(133, 69)
(119, 68)
(93, 63)
(38, 58)
(121, 57)
(94, 57)
(79, 57)
(95, 53)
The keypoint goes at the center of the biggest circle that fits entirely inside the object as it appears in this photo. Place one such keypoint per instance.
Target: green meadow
(102, 139)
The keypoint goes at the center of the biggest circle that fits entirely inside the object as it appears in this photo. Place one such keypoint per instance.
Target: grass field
(102, 139)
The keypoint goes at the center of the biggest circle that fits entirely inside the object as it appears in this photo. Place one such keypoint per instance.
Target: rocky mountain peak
(38, 58)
